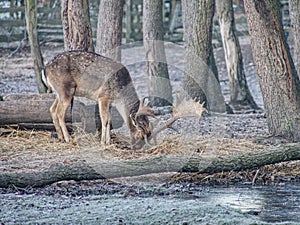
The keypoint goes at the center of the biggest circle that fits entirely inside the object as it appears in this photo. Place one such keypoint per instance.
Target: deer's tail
(44, 79)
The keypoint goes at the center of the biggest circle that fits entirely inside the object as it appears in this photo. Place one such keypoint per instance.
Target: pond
(159, 204)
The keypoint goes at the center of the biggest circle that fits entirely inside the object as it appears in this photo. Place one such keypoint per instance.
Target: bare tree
(159, 87)
(240, 96)
(31, 22)
(278, 78)
(200, 82)
(76, 25)
(109, 32)
(295, 21)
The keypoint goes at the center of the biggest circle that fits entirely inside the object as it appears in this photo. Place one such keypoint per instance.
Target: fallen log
(159, 164)
(31, 111)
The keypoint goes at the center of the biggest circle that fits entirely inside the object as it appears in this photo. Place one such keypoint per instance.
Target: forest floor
(218, 135)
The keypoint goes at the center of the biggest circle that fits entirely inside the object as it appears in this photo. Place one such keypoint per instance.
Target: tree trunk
(158, 164)
(240, 96)
(278, 79)
(128, 18)
(109, 32)
(175, 10)
(295, 25)
(76, 25)
(200, 82)
(31, 21)
(159, 86)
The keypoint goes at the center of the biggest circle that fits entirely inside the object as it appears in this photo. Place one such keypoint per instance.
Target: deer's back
(91, 75)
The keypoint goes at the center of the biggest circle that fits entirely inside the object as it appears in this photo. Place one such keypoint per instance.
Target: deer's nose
(148, 134)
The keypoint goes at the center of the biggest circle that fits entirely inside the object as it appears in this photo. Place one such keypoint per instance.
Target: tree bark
(159, 86)
(295, 25)
(109, 32)
(158, 164)
(240, 96)
(200, 82)
(76, 25)
(31, 22)
(278, 78)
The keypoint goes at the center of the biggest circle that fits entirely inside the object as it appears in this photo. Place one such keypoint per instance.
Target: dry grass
(35, 150)
(278, 174)
(31, 150)
(205, 146)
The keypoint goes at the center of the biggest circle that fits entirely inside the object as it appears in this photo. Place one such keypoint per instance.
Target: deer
(90, 75)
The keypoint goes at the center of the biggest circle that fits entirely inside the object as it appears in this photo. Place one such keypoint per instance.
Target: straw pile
(35, 150)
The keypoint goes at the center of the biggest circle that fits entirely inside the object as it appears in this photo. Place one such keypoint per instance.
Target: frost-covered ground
(76, 203)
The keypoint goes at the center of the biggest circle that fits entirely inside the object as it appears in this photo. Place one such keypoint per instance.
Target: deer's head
(144, 129)
(142, 125)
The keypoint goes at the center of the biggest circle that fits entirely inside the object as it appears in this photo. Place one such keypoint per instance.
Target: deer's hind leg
(53, 112)
(61, 113)
(58, 112)
(104, 110)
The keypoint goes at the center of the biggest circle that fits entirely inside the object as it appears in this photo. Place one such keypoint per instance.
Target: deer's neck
(131, 103)
(128, 103)
(134, 107)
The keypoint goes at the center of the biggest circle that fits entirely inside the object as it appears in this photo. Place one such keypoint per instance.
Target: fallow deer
(96, 77)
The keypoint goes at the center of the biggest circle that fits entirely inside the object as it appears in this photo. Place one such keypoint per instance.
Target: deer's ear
(133, 120)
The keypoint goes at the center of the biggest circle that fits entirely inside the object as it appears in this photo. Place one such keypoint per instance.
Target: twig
(254, 178)
(20, 46)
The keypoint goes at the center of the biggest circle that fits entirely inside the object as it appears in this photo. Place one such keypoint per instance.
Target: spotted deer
(96, 77)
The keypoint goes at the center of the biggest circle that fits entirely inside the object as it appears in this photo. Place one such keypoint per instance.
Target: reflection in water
(243, 200)
(270, 203)
(281, 204)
